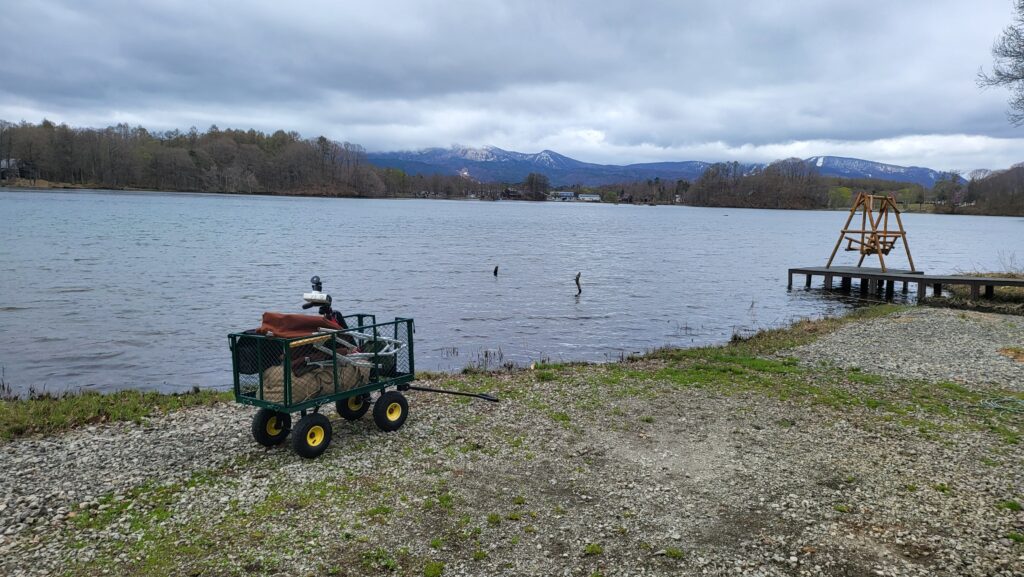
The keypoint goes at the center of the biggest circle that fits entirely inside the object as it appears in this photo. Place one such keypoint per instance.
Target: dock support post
(905, 283)
(975, 290)
(890, 287)
(790, 284)
(922, 288)
(846, 282)
(863, 286)
(828, 282)
(937, 290)
(807, 283)
(990, 291)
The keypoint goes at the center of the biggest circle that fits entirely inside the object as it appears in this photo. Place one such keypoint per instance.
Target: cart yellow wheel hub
(394, 412)
(355, 403)
(315, 436)
(274, 426)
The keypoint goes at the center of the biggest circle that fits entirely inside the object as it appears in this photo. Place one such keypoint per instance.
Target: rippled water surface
(115, 290)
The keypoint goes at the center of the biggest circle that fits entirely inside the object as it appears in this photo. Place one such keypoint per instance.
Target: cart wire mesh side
(294, 374)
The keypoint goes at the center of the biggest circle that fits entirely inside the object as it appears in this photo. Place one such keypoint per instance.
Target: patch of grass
(1015, 537)
(47, 414)
(545, 376)
(494, 519)
(519, 500)
(378, 511)
(941, 487)
(433, 569)
(436, 543)
(514, 516)
(560, 417)
(479, 555)
(379, 558)
(674, 553)
(647, 419)
(593, 549)
(1010, 505)
(842, 508)
(445, 500)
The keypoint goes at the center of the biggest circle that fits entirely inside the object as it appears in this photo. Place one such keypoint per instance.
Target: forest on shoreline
(253, 162)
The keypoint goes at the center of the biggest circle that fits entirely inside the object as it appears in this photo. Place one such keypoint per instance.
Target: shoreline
(74, 188)
(754, 457)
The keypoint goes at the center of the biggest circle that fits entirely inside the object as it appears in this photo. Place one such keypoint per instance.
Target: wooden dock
(873, 280)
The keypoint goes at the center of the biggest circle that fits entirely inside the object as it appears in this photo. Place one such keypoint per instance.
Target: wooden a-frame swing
(873, 236)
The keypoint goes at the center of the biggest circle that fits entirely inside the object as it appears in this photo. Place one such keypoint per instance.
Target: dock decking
(889, 278)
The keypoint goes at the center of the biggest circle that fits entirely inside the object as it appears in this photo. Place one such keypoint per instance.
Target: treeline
(794, 184)
(1000, 193)
(236, 161)
(250, 161)
(789, 184)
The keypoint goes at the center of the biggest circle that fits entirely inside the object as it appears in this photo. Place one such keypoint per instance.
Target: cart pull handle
(483, 396)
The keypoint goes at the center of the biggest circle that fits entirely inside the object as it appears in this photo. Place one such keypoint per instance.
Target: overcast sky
(609, 82)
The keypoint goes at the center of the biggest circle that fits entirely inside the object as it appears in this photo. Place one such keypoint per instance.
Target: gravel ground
(934, 344)
(580, 470)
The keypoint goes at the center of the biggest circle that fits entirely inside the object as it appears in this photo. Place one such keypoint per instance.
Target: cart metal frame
(329, 341)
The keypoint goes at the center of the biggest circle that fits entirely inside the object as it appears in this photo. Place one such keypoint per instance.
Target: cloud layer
(603, 82)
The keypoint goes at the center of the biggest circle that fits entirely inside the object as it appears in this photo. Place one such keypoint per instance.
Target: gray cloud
(605, 82)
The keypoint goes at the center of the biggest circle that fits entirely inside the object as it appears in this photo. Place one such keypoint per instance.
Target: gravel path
(597, 470)
(934, 344)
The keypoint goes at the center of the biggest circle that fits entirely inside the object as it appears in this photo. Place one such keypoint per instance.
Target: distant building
(9, 168)
(590, 198)
(563, 195)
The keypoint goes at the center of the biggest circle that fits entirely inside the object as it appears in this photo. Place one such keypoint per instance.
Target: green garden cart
(297, 363)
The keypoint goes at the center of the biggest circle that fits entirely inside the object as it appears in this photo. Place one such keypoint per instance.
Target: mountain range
(494, 164)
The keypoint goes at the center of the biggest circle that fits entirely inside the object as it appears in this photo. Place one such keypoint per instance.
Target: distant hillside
(494, 164)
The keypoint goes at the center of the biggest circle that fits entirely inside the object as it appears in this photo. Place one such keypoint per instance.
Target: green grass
(50, 414)
(674, 553)
(545, 376)
(740, 368)
(1010, 505)
(433, 569)
(592, 549)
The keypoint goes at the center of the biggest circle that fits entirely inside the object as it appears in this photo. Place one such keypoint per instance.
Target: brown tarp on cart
(290, 326)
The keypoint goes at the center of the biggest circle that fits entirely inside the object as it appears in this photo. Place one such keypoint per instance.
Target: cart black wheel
(269, 427)
(353, 408)
(390, 411)
(312, 435)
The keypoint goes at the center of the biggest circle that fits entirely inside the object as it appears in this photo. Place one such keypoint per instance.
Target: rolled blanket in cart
(318, 382)
(351, 377)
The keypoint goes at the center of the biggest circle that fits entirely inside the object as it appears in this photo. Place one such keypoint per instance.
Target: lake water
(116, 290)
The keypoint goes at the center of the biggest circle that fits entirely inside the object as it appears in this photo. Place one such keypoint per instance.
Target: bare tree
(1008, 68)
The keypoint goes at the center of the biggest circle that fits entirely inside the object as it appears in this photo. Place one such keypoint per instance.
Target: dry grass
(1015, 353)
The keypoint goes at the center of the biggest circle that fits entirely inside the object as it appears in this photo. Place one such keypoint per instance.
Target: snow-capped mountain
(490, 163)
(857, 168)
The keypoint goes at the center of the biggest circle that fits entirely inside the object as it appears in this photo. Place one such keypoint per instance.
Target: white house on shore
(570, 196)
